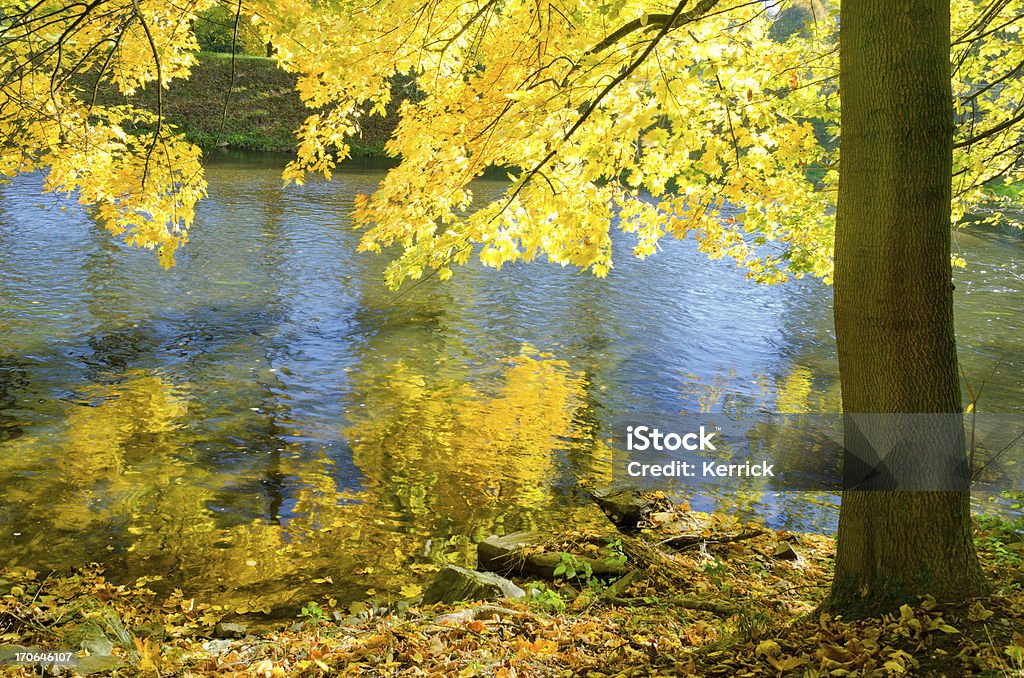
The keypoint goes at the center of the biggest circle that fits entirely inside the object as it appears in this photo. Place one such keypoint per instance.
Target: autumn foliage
(694, 119)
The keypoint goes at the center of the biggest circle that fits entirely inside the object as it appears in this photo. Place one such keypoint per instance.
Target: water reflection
(266, 414)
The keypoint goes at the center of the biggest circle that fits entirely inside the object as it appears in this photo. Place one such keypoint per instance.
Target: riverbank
(745, 606)
(261, 113)
(263, 110)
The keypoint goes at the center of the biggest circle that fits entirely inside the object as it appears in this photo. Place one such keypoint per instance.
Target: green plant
(312, 614)
(616, 556)
(718, 574)
(546, 599)
(1016, 654)
(753, 625)
(1002, 537)
(571, 567)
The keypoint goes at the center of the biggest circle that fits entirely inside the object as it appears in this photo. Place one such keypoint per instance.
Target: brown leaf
(787, 662)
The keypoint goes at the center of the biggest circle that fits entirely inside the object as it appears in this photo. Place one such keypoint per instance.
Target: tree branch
(674, 20)
(991, 131)
(231, 82)
(728, 117)
(651, 22)
(159, 88)
(986, 17)
(990, 31)
(1001, 79)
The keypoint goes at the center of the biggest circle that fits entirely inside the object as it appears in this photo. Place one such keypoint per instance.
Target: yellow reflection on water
(460, 445)
(445, 460)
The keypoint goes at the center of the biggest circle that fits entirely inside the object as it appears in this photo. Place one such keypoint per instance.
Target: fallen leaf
(786, 662)
(411, 590)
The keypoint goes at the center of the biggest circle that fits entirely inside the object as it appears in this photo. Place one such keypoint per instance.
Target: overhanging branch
(973, 139)
(654, 22)
(674, 20)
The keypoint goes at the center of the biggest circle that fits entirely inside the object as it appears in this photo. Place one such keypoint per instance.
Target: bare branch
(728, 117)
(652, 22)
(983, 20)
(231, 82)
(991, 131)
(159, 89)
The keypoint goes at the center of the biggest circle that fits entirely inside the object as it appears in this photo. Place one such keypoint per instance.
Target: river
(266, 423)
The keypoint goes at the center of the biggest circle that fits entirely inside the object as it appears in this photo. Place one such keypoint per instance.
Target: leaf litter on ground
(708, 595)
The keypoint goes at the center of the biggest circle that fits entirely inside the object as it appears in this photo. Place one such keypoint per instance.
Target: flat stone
(785, 551)
(87, 666)
(8, 652)
(219, 646)
(154, 631)
(98, 647)
(454, 584)
(229, 630)
(89, 637)
(624, 506)
(503, 554)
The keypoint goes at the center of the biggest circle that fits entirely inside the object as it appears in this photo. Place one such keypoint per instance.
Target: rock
(785, 551)
(505, 555)
(99, 646)
(454, 584)
(624, 506)
(8, 654)
(89, 637)
(87, 666)
(155, 631)
(482, 613)
(218, 647)
(229, 630)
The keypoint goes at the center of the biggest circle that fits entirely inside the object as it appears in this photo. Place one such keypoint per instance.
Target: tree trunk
(894, 313)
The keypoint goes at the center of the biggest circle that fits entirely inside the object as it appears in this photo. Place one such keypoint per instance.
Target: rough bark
(893, 300)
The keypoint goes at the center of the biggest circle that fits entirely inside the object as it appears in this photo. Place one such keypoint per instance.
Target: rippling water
(267, 415)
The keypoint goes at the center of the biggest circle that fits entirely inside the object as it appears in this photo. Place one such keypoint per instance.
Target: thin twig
(231, 82)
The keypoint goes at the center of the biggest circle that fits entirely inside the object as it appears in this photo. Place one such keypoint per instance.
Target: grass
(262, 111)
